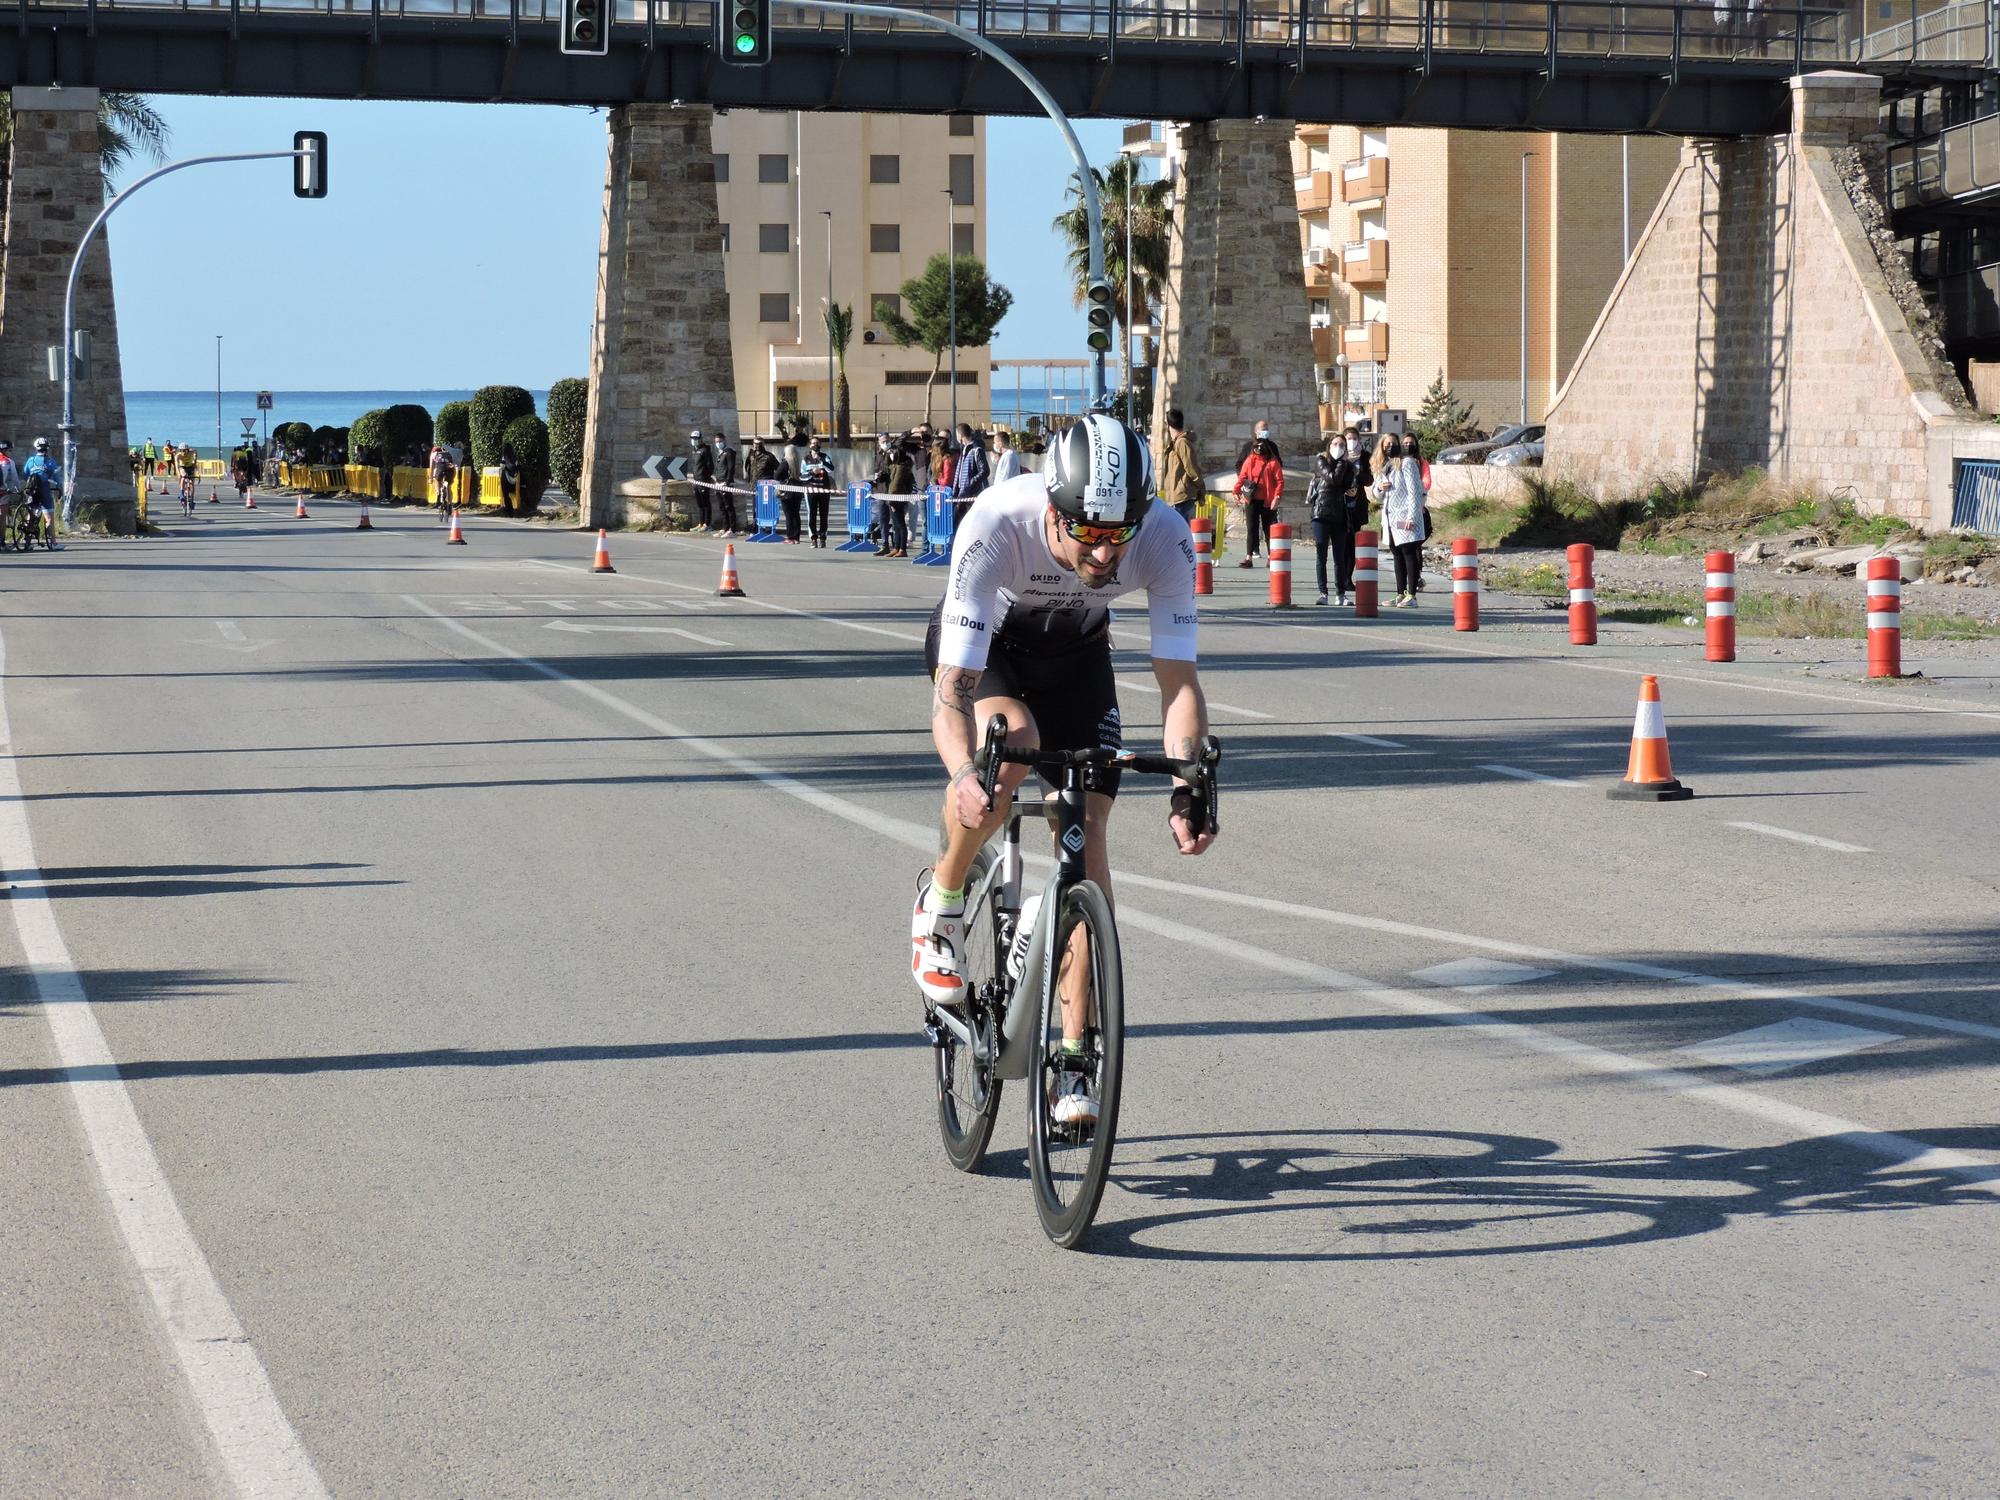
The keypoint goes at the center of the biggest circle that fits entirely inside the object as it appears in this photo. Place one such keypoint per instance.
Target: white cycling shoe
(1073, 1104)
(937, 950)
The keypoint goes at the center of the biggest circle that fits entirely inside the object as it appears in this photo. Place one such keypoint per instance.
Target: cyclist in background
(190, 466)
(42, 483)
(10, 482)
(442, 474)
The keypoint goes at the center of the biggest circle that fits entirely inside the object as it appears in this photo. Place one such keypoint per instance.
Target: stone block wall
(660, 361)
(55, 187)
(1237, 346)
(1753, 328)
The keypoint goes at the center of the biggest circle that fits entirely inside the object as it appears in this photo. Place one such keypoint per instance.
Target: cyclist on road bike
(42, 482)
(443, 471)
(10, 481)
(1024, 630)
(189, 466)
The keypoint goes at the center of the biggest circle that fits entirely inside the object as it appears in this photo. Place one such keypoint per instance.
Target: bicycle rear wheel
(968, 1096)
(1070, 1162)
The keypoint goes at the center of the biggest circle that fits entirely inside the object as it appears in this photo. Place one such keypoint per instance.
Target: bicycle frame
(1025, 1000)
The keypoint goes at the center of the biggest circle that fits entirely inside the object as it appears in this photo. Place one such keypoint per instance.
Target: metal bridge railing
(1961, 32)
(1960, 163)
(1733, 30)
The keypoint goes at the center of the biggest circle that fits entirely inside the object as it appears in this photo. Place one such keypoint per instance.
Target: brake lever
(996, 741)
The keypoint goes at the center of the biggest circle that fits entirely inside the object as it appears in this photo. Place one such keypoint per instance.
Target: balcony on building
(1322, 337)
(1365, 343)
(1314, 191)
(1319, 278)
(1312, 132)
(1363, 178)
(1365, 262)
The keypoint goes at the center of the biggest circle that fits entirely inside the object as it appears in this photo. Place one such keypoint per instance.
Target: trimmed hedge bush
(493, 407)
(569, 409)
(325, 440)
(454, 426)
(366, 433)
(404, 427)
(528, 437)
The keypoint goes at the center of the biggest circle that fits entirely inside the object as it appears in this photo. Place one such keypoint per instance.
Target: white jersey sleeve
(1164, 568)
(983, 562)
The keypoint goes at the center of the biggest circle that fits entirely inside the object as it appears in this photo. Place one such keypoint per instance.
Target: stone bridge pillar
(55, 187)
(660, 356)
(1236, 344)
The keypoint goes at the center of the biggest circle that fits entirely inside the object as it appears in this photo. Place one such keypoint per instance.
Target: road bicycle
(187, 494)
(443, 485)
(1021, 963)
(14, 527)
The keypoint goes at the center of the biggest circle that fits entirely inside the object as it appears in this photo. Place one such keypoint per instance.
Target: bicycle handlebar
(1199, 773)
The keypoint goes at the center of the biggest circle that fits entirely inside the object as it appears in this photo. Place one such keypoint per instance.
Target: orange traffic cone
(602, 562)
(730, 589)
(457, 537)
(364, 524)
(300, 513)
(1649, 774)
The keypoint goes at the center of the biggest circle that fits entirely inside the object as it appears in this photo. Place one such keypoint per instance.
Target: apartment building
(876, 196)
(1413, 246)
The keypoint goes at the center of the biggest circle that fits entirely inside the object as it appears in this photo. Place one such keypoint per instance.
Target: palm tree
(126, 125)
(1121, 195)
(839, 329)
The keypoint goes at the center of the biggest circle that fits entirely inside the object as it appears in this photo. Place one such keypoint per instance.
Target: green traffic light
(746, 44)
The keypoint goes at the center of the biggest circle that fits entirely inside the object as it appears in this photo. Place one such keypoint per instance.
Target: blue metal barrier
(769, 514)
(860, 516)
(937, 528)
(1975, 502)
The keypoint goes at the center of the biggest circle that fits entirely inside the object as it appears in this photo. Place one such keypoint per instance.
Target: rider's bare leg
(1073, 981)
(962, 844)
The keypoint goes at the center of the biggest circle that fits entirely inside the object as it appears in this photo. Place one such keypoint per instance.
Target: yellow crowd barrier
(406, 482)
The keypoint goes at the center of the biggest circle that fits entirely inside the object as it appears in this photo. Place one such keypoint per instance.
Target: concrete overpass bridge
(1242, 70)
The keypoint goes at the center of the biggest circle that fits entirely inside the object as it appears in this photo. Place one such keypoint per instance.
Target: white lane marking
(1901, 1149)
(577, 627)
(1520, 775)
(1369, 739)
(1213, 707)
(231, 631)
(1691, 978)
(1803, 838)
(1426, 643)
(255, 1444)
(1473, 975)
(1764, 1050)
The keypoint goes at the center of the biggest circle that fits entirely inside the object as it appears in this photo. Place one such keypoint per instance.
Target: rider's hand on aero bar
(1196, 801)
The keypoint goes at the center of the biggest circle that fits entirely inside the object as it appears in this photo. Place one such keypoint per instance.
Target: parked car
(1476, 453)
(1524, 450)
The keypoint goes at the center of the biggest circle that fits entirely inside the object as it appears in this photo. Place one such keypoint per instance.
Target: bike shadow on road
(1391, 1193)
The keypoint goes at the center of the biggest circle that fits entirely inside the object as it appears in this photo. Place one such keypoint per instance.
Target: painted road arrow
(577, 627)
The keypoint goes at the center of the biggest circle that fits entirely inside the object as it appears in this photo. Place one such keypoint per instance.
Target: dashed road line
(1369, 739)
(1523, 775)
(1803, 838)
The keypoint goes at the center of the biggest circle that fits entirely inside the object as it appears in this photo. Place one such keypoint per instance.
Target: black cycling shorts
(1068, 687)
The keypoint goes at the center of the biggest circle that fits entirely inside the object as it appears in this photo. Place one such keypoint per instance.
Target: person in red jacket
(1260, 485)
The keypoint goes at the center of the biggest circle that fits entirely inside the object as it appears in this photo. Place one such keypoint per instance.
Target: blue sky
(456, 248)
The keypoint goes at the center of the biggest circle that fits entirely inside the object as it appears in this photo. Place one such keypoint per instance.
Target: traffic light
(743, 32)
(586, 29)
(1098, 296)
(309, 164)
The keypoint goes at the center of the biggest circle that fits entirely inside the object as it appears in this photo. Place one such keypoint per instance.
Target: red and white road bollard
(1465, 584)
(1885, 617)
(1367, 574)
(1582, 594)
(1720, 592)
(1204, 554)
(1281, 566)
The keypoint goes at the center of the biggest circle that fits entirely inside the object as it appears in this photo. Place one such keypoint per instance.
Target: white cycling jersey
(1003, 575)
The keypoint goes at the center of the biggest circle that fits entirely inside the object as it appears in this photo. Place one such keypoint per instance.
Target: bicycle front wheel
(968, 1095)
(1073, 1094)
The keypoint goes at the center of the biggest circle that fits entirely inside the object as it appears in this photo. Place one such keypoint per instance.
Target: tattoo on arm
(954, 692)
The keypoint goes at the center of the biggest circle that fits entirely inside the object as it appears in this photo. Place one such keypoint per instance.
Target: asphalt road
(518, 1089)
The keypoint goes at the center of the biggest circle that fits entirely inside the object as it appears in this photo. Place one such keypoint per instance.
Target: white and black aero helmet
(1100, 474)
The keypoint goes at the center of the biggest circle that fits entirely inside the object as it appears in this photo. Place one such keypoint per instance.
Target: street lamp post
(1131, 170)
(827, 214)
(951, 294)
(218, 397)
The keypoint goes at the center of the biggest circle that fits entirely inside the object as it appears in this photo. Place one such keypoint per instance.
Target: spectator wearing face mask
(1263, 435)
(1401, 485)
(725, 475)
(1260, 486)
